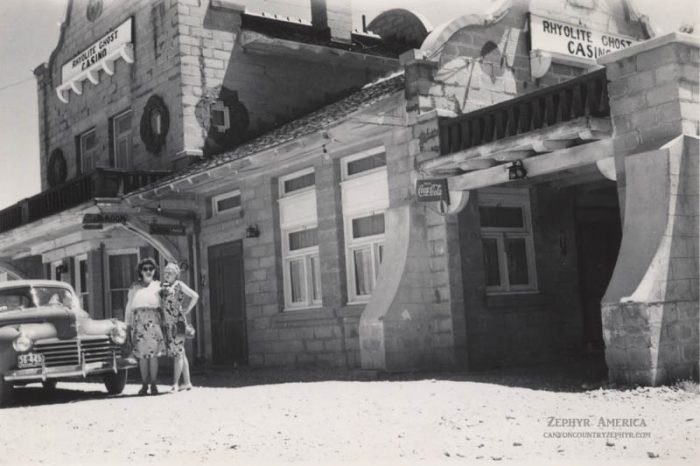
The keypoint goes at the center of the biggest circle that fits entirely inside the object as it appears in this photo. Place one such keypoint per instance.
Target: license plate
(30, 360)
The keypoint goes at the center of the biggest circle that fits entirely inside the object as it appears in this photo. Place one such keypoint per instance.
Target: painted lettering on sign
(432, 190)
(167, 229)
(578, 42)
(104, 218)
(109, 43)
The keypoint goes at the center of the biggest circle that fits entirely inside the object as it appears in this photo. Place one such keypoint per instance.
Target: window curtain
(363, 271)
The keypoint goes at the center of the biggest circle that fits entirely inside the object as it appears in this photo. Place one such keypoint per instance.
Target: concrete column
(650, 310)
(415, 318)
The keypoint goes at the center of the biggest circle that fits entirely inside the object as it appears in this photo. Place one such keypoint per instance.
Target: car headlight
(118, 333)
(22, 343)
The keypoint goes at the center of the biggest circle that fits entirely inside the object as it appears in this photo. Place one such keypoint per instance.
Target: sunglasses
(147, 269)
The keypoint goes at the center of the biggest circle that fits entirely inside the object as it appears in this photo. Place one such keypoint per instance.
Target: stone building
(521, 185)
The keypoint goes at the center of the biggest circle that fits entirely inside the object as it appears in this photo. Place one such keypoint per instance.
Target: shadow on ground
(573, 376)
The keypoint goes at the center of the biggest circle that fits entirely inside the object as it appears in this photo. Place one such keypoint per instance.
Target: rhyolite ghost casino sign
(573, 42)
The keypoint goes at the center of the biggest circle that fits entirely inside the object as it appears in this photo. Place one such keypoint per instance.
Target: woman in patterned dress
(177, 301)
(143, 315)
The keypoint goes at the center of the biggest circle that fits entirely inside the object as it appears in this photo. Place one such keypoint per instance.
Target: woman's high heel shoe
(144, 390)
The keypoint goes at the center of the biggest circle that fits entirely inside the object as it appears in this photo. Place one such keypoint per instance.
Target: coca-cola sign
(432, 190)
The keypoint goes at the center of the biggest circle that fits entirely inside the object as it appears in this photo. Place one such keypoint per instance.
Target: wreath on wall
(155, 122)
(57, 169)
(93, 10)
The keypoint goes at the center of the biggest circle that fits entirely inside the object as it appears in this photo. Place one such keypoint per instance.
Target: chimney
(334, 16)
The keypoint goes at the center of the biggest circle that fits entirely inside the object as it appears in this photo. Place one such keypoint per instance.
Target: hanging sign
(576, 42)
(104, 218)
(167, 229)
(103, 48)
(432, 190)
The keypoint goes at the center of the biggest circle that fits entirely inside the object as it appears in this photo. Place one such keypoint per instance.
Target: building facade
(520, 186)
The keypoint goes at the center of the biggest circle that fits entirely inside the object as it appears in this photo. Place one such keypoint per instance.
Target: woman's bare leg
(153, 368)
(143, 368)
(177, 368)
(186, 371)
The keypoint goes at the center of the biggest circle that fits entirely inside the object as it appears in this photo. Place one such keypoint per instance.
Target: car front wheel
(115, 382)
(5, 392)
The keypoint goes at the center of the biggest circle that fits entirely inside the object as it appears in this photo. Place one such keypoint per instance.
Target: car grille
(65, 352)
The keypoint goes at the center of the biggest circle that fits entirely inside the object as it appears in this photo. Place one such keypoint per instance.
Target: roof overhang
(564, 147)
(255, 42)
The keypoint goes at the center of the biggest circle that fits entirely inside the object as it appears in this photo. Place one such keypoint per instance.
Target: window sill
(305, 308)
(514, 299)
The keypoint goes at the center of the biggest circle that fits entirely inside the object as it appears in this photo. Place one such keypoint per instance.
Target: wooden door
(228, 320)
(598, 242)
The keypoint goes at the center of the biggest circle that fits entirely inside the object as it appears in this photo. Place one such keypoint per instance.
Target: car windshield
(32, 296)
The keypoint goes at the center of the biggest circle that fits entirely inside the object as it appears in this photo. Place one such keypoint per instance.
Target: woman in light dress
(143, 314)
(177, 301)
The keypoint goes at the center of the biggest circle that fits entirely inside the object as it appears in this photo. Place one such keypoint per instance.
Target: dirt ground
(533, 415)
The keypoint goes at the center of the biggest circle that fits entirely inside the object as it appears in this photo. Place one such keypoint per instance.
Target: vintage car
(45, 336)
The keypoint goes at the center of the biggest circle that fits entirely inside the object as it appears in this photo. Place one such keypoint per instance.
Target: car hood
(61, 318)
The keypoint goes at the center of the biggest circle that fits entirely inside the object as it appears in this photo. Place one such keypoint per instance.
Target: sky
(29, 32)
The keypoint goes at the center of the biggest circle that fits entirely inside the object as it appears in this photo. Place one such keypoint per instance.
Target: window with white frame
(122, 140)
(226, 202)
(299, 232)
(122, 273)
(365, 194)
(88, 150)
(507, 241)
(81, 274)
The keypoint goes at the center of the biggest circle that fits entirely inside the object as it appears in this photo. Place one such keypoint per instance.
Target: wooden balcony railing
(584, 96)
(99, 183)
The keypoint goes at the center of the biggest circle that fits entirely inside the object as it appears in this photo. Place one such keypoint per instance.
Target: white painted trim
(361, 155)
(504, 197)
(223, 196)
(298, 174)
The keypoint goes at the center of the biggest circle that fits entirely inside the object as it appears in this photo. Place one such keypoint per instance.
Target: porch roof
(559, 128)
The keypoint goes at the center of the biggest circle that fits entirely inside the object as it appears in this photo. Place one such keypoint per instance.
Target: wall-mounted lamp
(62, 268)
(516, 170)
(252, 231)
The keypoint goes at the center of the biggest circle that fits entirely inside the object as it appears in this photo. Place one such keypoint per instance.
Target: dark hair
(146, 261)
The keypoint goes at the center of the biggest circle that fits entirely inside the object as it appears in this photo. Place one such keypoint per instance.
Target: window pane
(316, 278)
(378, 256)
(362, 261)
(368, 226)
(493, 276)
(217, 118)
(501, 217)
(517, 261)
(122, 268)
(89, 141)
(122, 153)
(296, 279)
(228, 203)
(123, 124)
(84, 302)
(367, 163)
(299, 182)
(303, 239)
(119, 303)
(83, 276)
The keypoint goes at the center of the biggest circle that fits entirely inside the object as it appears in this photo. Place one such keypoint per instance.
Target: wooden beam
(547, 139)
(536, 166)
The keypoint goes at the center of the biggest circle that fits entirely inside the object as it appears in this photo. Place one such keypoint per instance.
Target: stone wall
(505, 330)
(154, 71)
(485, 59)
(650, 311)
(262, 90)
